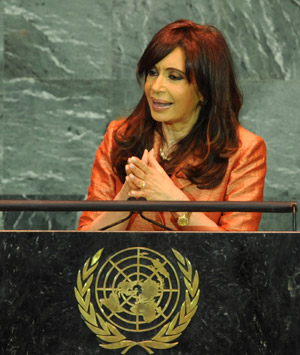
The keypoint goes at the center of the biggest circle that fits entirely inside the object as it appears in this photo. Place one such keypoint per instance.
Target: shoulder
(248, 138)
(115, 124)
(249, 141)
(252, 148)
(108, 140)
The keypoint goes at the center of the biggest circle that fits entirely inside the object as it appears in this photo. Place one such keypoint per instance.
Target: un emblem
(137, 290)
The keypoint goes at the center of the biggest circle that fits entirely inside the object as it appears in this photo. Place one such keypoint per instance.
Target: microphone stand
(121, 220)
(151, 220)
(141, 214)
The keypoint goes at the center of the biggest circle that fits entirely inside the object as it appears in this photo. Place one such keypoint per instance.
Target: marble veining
(67, 68)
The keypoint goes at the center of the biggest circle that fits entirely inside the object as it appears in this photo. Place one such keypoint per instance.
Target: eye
(152, 72)
(175, 77)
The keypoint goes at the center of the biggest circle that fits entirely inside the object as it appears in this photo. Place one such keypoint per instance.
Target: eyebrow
(180, 71)
(175, 69)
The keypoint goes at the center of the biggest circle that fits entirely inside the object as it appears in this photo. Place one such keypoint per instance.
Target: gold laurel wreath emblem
(111, 335)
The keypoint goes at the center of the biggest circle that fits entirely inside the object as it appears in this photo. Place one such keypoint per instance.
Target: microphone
(121, 220)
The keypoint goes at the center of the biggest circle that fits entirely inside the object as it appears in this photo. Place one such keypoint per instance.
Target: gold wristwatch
(184, 219)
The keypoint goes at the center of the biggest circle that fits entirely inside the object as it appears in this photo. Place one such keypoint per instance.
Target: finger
(127, 169)
(136, 172)
(152, 151)
(152, 160)
(139, 183)
(139, 164)
(135, 193)
(145, 157)
(131, 185)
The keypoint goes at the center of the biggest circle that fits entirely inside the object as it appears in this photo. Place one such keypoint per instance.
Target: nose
(158, 84)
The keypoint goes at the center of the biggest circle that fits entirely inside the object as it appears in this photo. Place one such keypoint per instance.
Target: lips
(160, 105)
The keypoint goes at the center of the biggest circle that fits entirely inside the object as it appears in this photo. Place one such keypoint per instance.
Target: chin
(164, 119)
(160, 117)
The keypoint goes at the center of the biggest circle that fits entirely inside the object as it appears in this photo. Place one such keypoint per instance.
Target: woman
(183, 141)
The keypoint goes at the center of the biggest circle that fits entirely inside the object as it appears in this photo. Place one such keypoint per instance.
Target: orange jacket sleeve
(104, 183)
(246, 183)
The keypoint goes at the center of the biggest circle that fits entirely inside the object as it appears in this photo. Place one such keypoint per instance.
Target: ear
(200, 98)
(198, 92)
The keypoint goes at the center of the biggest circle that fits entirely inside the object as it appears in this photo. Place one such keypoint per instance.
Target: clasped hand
(146, 178)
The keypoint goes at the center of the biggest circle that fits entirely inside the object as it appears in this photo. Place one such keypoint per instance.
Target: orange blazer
(243, 181)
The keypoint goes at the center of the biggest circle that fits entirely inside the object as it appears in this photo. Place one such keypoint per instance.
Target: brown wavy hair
(214, 137)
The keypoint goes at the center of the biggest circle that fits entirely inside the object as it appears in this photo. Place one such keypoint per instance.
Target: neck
(172, 134)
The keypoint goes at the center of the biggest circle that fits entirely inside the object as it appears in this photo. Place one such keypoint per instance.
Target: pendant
(162, 154)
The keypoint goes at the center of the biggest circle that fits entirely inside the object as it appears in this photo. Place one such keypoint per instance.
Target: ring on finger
(143, 185)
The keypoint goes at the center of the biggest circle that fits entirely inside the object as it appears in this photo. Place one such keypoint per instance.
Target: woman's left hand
(151, 181)
(146, 178)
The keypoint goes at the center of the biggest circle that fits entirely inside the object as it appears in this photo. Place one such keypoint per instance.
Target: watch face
(183, 221)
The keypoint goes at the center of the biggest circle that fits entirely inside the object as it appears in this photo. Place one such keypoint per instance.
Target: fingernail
(133, 159)
(132, 166)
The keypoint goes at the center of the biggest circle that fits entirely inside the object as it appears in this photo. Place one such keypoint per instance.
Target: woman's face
(171, 98)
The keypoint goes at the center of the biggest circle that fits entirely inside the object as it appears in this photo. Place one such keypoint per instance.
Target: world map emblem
(137, 293)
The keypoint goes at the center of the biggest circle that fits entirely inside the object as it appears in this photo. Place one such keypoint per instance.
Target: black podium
(65, 292)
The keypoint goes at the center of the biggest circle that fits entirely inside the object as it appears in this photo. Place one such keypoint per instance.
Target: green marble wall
(68, 67)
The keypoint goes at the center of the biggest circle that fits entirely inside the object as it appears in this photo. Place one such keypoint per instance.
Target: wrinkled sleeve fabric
(103, 181)
(246, 183)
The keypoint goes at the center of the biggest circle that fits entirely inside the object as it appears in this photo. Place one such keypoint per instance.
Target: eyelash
(153, 72)
(174, 77)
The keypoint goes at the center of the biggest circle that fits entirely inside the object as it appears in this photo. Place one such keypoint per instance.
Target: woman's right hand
(151, 181)
(128, 171)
